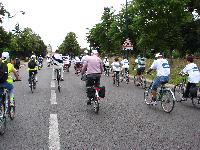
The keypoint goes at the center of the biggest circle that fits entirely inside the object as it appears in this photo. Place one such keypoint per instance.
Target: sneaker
(183, 99)
(61, 79)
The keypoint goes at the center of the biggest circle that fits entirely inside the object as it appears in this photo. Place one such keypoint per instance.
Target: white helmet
(33, 57)
(5, 55)
(86, 51)
(94, 52)
(158, 55)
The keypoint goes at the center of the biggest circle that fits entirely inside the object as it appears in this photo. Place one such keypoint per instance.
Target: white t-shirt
(142, 61)
(193, 71)
(106, 62)
(125, 63)
(116, 66)
(161, 66)
(57, 59)
(83, 60)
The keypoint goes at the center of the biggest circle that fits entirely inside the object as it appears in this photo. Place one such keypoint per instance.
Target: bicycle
(58, 78)
(140, 81)
(94, 93)
(6, 109)
(179, 90)
(107, 71)
(32, 81)
(116, 78)
(164, 95)
(125, 75)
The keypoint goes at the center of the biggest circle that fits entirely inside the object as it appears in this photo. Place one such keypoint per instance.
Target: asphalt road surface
(47, 119)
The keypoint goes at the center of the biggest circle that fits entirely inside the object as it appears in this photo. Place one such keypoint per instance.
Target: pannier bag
(102, 92)
(3, 72)
(90, 92)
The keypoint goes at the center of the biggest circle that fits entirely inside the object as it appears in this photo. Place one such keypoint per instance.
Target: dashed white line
(54, 138)
(53, 97)
(52, 84)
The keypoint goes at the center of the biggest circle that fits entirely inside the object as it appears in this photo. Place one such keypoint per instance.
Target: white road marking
(54, 138)
(53, 97)
(52, 84)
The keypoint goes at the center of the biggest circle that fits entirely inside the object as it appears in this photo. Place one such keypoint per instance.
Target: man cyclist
(94, 67)
(106, 64)
(162, 68)
(116, 67)
(32, 68)
(17, 63)
(194, 76)
(8, 83)
(125, 66)
(83, 60)
(78, 64)
(40, 61)
(57, 64)
(140, 62)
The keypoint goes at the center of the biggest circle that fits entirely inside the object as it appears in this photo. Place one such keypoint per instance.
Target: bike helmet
(86, 51)
(5, 56)
(33, 57)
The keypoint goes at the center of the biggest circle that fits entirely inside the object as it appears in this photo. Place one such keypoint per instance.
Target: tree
(70, 45)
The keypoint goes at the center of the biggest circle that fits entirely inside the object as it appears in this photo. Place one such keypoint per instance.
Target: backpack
(31, 64)
(3, 72)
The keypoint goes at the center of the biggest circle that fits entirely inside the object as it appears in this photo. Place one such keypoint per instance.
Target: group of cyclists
(93, 66)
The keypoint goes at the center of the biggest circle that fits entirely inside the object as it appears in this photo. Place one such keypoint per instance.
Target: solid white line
(53, 97)
(52, 84)
(54, 138)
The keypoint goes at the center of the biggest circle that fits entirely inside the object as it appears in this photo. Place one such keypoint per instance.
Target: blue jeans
(158, 81)
(10, 89)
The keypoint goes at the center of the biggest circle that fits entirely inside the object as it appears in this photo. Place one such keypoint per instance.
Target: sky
(53, 19)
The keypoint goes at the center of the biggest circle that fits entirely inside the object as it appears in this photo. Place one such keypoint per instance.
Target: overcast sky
(53, 19)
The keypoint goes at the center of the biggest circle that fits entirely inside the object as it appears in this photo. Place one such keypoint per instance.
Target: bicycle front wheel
(2, 121)
(178, 91)
(167, 101)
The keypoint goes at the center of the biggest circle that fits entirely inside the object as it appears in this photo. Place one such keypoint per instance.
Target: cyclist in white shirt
(116, 65)
(162, 68)
(125, 65)
(106, 64)
(141, 62)
(194, 76)
(83, 60)
(57, 64)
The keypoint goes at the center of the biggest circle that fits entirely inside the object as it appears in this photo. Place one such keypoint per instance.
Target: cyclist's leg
(35, 75)
(187, 90)
(54, 73)
(61, 71)
(10, 88)
(156, 83)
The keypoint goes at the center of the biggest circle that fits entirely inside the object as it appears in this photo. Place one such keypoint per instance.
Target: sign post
(127, 46)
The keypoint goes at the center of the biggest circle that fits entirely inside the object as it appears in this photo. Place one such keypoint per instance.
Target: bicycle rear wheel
(96, 105)
(196, 102)
(2, 120)
(167, 101)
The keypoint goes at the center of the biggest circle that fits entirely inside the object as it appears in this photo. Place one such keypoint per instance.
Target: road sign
(127, 45)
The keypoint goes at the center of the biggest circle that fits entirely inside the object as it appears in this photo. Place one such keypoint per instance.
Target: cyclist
(78, 64)
(194, 76)
(116, 67)
(57, 64)
(32, 67)
(141, 62)
(8, 84)
(106, 64)
(94, 67)
(40, 60)
(48, 61)
(162, 68)
(83, 60)
(17, 63)
(125, 66)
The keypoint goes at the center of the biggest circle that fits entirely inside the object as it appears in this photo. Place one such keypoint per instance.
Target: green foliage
(70, 45)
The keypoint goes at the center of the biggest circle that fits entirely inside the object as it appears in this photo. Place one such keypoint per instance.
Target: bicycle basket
(90, 92)
(102, 91)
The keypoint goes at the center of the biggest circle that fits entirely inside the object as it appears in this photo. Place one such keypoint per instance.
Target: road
(47, 119)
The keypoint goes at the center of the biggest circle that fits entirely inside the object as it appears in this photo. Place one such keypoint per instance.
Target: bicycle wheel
(178, 91)
(96, 105)
(167, 100)
(117, 79)
(196, 102)
(147, 97)
(144, 83)
(12, 111)
(2, 121)
(31, 86)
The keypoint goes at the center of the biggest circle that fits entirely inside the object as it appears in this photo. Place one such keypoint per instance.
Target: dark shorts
(93, 79)
(30, 72)
(140, 70)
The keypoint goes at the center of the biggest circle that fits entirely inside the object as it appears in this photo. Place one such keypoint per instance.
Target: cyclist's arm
(15, 73)
(84, 68)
